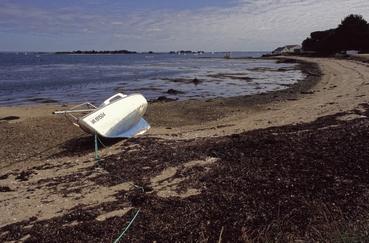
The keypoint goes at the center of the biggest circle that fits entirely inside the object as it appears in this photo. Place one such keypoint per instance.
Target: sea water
(46, 77)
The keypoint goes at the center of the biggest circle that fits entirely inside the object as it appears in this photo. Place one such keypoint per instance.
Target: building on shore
(352, 52)
(289, 49)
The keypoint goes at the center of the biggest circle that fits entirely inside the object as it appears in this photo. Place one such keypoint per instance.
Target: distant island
(97, 52)
(182, 52)
(92, 52)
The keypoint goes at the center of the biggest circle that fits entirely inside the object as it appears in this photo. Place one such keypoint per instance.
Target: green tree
(351, 34)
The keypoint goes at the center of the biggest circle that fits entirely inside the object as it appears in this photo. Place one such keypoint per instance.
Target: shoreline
(181, 119)
(311, 70)
(214, 109)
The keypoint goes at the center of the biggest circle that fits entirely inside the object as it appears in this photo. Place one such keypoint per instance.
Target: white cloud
(248, 25)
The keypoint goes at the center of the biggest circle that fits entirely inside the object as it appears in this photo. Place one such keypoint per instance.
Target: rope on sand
(97, 141)
(97, 157)
(101, 142)
(221, 235)
(125, 230)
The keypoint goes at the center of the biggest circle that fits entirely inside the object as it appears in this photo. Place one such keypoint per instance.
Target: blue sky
(164, 25)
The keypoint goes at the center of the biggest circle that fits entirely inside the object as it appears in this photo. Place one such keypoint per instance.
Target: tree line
(351, 34)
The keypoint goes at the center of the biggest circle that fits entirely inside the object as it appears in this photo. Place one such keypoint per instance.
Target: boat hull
(120, 118)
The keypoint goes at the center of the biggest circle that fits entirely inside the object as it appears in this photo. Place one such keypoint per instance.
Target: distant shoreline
(93, 52)
(102, 54)
(119, 52)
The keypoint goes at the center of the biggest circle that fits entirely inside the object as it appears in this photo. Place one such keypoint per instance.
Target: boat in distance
(120, 116)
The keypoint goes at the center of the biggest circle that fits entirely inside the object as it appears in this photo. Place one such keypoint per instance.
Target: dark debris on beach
(304, 182)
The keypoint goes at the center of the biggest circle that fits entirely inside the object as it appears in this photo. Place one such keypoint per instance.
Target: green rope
(97, 157)
(125, 230)
(101, 142)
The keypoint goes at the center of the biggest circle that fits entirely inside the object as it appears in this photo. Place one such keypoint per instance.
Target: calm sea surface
(41, 78)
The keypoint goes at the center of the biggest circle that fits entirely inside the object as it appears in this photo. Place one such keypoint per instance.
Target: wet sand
(343, 86)
(202, 162)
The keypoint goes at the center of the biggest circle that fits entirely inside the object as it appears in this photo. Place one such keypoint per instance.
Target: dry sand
(44, 157)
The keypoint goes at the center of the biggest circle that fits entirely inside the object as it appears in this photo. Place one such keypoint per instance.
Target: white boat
(120, 116)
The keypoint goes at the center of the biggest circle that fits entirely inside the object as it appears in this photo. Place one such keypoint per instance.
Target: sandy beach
(214, 164)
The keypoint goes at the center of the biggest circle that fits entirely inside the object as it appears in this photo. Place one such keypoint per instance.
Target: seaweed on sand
(295, 182)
